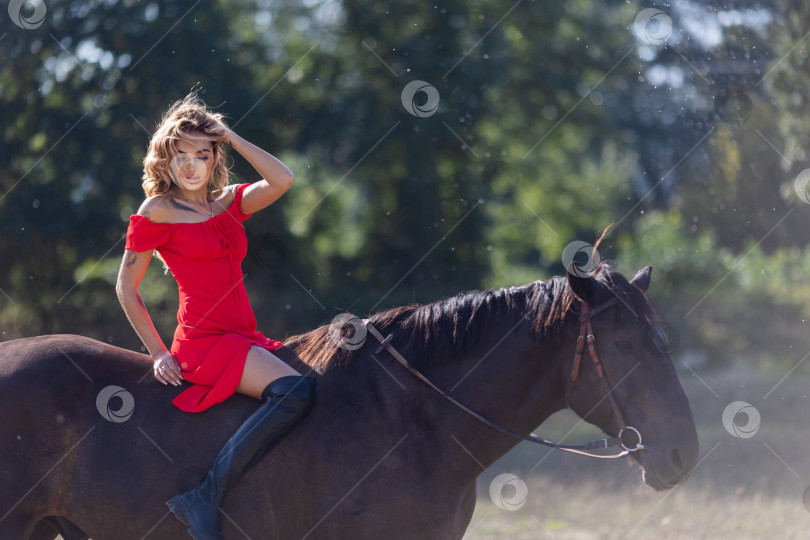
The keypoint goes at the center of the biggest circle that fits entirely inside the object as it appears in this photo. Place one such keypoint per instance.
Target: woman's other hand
(166, 368)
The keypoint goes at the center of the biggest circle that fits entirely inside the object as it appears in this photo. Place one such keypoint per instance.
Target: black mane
(449, 328)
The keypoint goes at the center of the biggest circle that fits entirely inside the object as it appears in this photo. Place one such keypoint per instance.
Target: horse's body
(382, 455)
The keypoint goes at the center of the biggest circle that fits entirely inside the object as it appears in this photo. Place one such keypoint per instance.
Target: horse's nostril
(675, 456)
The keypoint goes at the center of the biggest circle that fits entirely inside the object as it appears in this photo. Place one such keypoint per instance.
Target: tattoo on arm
(140, 301)
(131, 259)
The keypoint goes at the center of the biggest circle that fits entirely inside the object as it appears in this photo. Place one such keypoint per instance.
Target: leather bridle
(629, 437)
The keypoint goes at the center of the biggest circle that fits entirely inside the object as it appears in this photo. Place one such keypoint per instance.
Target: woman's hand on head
(167, 369)
(226, 137)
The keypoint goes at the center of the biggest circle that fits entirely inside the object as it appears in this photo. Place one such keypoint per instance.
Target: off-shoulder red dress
(216, 324)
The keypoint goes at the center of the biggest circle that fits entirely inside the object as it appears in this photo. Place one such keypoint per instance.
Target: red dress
(216, 325)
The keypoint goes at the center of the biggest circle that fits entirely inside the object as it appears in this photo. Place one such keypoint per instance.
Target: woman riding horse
(192, 219)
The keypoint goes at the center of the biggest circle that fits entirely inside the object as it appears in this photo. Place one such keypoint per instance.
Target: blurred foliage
(554, 121)
(749, 306)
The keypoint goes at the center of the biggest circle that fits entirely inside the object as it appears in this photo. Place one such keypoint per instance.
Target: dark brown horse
(90, 443)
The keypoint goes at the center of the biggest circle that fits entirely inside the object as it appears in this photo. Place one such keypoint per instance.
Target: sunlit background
(440, 147)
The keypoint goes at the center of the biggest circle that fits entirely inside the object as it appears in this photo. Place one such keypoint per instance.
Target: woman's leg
(288, 397)
(261, 368)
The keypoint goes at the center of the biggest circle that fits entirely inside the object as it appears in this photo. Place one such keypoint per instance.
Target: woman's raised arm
(276, 177)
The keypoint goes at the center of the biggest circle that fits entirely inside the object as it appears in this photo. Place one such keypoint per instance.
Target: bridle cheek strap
(586, 336)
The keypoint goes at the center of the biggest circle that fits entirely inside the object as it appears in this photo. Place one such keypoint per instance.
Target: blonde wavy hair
(184, 116)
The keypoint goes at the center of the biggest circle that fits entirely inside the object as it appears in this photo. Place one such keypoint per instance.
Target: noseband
(629, 437)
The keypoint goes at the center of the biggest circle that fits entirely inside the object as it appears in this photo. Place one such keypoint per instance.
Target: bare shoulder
(156, 209)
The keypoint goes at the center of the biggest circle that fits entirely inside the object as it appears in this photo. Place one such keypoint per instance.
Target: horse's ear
(584, 287)
(642, 278)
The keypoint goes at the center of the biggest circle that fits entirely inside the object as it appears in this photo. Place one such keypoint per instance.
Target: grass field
(742, 488)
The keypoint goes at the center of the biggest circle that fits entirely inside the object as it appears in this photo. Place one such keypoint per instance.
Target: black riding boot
(288, 400)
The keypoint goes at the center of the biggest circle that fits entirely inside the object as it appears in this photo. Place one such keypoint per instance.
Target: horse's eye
(624, 347)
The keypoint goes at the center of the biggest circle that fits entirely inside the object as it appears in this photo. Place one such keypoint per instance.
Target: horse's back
(36, 391)
(56, 415)
(64, 357)
(69, 448)
(50, 380)
(85, 426)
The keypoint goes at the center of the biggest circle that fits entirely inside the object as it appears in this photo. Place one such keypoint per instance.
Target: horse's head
(634, 365)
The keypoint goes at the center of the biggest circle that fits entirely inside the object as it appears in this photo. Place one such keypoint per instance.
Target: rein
(629, 437)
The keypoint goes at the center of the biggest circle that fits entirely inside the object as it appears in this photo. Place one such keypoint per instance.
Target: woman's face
(191, 167)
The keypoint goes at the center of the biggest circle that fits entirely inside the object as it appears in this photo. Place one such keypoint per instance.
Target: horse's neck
(517, 385)
(508, 379)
